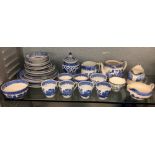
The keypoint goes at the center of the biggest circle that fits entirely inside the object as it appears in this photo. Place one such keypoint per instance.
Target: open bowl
(117, 83)
(15, 89)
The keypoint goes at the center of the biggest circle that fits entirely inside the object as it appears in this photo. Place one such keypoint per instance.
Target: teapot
(113, 68)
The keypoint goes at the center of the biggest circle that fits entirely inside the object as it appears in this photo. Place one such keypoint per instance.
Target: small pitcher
(113, 68)
(89, 67)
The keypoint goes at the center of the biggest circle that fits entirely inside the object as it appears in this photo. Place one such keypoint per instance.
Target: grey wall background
(134, 55)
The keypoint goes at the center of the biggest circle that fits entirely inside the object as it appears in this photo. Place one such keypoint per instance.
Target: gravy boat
(140, 91)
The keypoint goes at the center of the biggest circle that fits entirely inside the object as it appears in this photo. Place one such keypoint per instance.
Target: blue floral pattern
(86, 93)
(49, 92)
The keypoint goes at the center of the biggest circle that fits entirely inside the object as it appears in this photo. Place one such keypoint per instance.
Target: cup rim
(47, 81)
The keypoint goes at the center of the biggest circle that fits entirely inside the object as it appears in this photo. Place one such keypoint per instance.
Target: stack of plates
(38, 67)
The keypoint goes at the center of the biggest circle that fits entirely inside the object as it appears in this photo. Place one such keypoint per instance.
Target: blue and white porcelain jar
(71, 64)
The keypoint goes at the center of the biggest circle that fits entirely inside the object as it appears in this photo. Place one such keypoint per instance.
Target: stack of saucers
(38, 67)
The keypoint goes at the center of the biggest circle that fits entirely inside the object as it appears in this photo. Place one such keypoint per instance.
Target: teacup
(117, 83)
(67, 88)
(103, 90)
(80, 77)
(49, 88)
(64, 76)
(85, 89)
(98, 77)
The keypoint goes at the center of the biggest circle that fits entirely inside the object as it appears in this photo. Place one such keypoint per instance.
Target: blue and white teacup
(80, 77)
(85, 89)
(67, 88)
(65, 76)
(98, 77)
(49, 88)
(103, 90)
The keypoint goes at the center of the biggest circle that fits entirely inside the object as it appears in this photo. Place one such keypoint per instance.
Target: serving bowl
(117, 83)
(15, 89)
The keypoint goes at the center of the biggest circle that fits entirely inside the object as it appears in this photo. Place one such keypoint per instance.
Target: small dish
(65, 76)
(80, 77)
(98, 77)
(117, 83)
(15, 89)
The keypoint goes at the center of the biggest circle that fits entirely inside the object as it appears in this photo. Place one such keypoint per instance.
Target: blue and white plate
(37, 57)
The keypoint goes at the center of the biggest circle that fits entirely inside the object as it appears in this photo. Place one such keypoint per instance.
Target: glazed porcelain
(140, 91)
(136, 74)
(85, 89)
(113, 68)
(71, 64)
(37, 57)
(15, 89)
(103, 90)
(65, 76)
(80, 77)
(67, 88)
(49, 88)
(98, 77)
(117, 83)
(89, 67)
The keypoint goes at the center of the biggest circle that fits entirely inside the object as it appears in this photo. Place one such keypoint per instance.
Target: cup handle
(152, 86)
(75, 85)
(125, 65)
(99, 66)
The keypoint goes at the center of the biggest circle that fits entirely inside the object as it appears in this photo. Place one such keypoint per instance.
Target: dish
(15, 89)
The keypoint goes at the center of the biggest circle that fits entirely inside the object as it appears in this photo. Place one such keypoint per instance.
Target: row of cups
(68, 83)
(67, 88)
